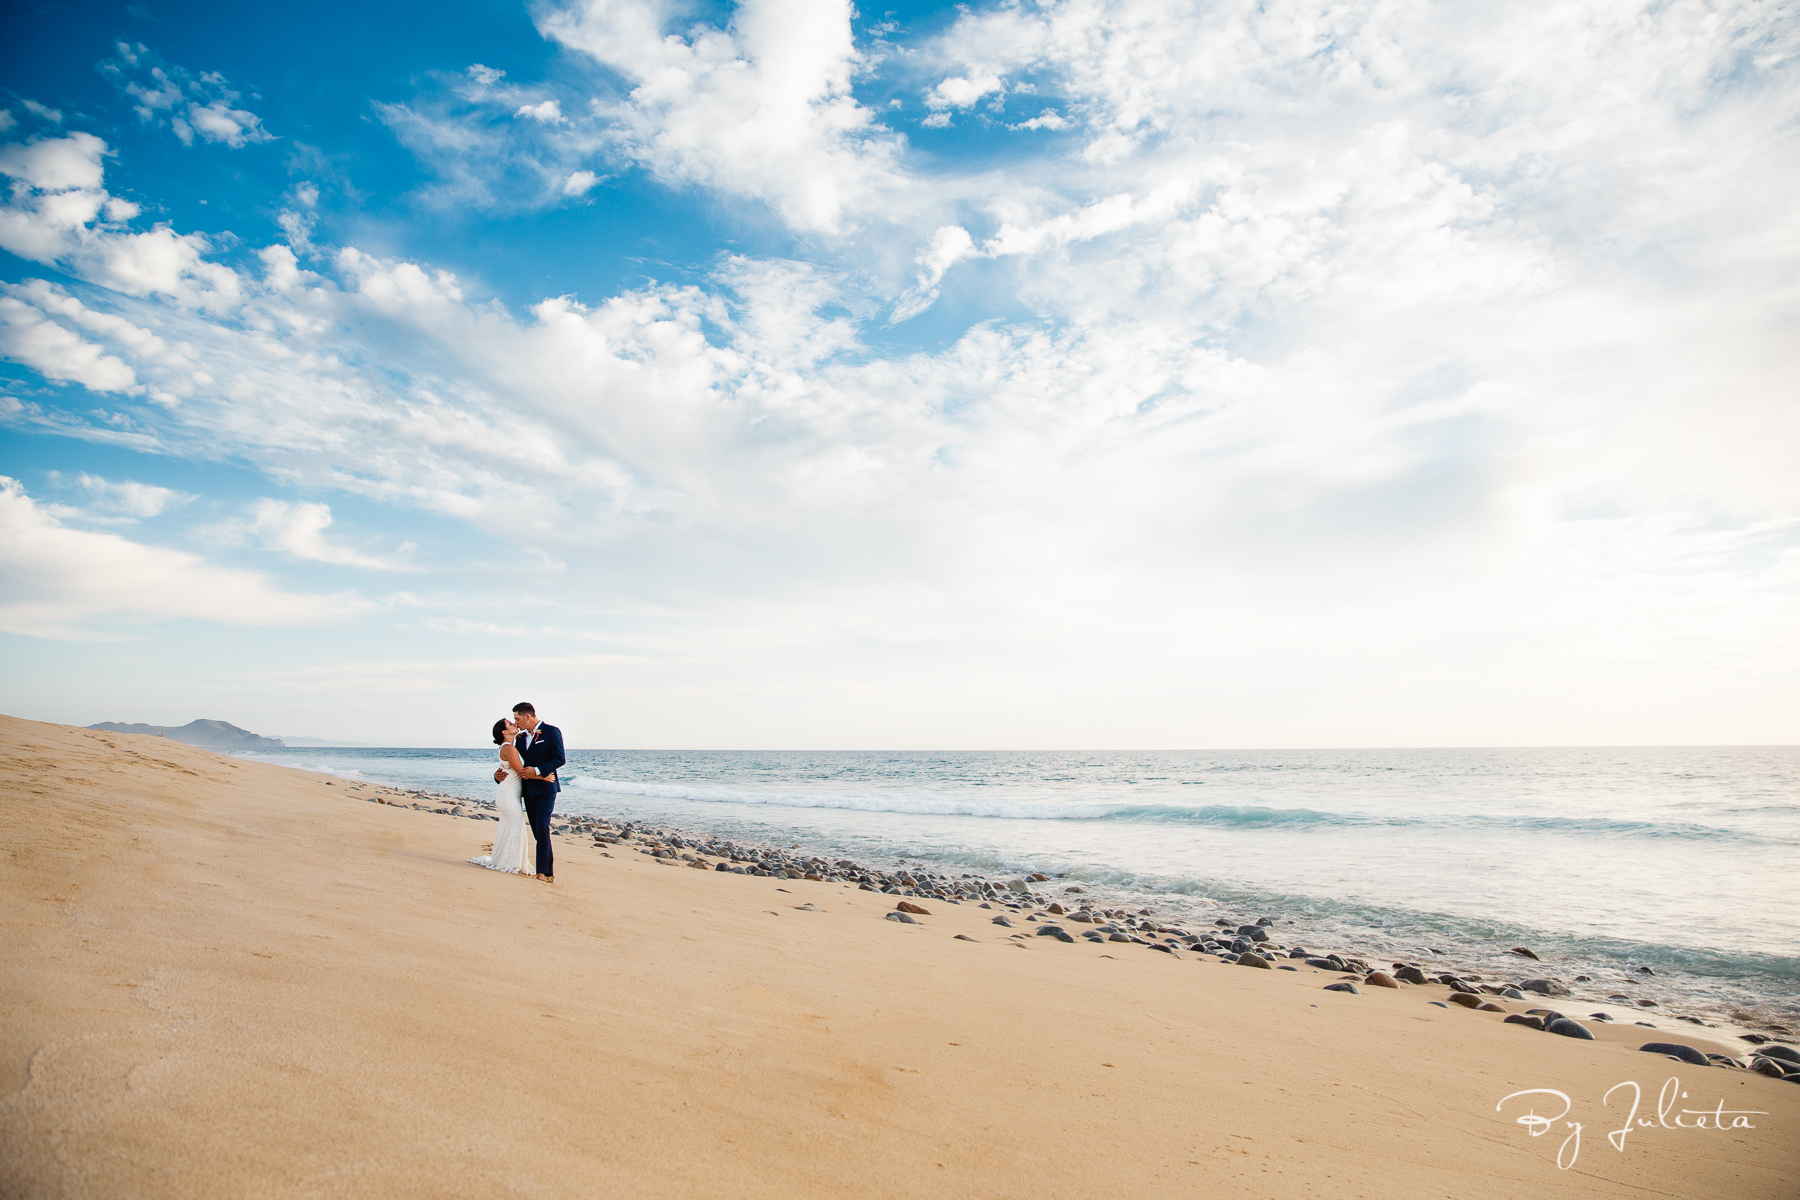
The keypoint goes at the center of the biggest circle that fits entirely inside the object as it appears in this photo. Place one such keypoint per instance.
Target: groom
(540, 747)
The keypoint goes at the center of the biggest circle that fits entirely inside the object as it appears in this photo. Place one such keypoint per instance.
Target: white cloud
(59, 582)
(43, 111)
(762, 109)
(58, 213)
(190, 105)
(121, 502)
(548, 112)
(580, 183)
(299, 530)
(129, 498)
(949, 245)
(56, 164)
(960, 91)
(28, 337)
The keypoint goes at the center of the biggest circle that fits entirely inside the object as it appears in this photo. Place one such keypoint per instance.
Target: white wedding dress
(515, 850)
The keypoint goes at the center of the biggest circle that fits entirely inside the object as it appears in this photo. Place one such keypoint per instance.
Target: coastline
(225, 977)
(1450, 856)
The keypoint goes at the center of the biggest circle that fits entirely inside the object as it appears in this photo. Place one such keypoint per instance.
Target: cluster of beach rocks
(1020, 905)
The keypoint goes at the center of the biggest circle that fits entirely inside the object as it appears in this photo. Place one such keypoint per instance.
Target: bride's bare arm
(511, 756)
(517, 763)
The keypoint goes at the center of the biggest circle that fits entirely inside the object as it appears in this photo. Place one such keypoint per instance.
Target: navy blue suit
(546, 754)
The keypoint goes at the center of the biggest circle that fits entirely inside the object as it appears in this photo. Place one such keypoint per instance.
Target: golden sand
(226, 978)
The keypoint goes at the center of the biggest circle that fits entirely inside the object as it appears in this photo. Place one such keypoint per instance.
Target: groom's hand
(500, 775)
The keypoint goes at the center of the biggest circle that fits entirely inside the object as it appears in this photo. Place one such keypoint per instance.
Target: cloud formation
(299, 530)
(1348, 340)
(59, 582)
(190, 105)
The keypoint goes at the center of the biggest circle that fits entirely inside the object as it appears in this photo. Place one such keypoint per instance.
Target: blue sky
(775, 374)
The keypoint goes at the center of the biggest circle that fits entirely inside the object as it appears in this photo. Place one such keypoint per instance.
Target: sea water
(1603, 861)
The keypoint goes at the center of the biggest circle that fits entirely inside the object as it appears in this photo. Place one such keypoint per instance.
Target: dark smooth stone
(963, 937)
(1785, 1053)
(1686, 1054)
(1521, 1019)
(1004, 920)
(1047, 929)
(1769, 1067)
(1250, 959)
(1062, 936)
(1343, 987)
(1545, 987)
(1512, 993)
(903, 918)
(1324, 964)
(1117, 937)
(1285, 967)
(1465, 999)
(1380, 979)
(907, 906)
(1523, 952)
(1568, 1028)
(1410, 975)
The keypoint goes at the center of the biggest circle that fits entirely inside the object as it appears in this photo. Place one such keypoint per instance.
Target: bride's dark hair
(500, 732)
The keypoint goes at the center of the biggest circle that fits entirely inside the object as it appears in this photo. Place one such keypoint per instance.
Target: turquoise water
(1602, 860)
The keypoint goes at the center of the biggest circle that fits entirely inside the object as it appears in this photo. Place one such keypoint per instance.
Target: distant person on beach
(540, 750)
(514, 849)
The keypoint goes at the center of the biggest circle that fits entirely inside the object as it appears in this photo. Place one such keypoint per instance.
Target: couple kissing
(525, 790)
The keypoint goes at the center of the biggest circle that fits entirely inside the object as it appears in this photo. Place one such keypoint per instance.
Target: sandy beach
(231, 978)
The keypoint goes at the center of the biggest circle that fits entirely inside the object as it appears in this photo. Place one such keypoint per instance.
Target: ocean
(1603, 861)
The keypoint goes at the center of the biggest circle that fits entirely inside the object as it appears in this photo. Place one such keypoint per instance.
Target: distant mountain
(214, 735)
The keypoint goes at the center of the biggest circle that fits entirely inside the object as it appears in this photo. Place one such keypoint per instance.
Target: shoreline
(1737, 965)
(222, 978)
(1456, 962)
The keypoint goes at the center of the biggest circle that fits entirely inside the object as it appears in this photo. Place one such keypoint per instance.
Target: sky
(1027, 374)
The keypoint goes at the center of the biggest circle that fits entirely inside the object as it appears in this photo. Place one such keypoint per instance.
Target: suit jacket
(546, 754)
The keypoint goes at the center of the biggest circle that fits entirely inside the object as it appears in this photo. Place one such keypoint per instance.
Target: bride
(514, 852)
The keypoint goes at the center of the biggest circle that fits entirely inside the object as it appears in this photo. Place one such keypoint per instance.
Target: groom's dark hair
(500, 732)
(523, 707)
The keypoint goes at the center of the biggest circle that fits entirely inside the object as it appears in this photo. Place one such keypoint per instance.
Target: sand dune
(226, 978)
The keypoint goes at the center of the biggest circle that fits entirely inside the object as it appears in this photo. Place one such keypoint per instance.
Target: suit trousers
(537, 812)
